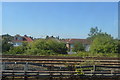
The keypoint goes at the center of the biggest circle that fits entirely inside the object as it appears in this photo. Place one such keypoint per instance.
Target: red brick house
(19, 39)
(70, 43)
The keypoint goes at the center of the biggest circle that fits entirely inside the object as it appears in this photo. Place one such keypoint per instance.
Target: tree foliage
(104, 43)
(46, 47)
(52, 37)
(37, 47)
(78, 47)
(18, 49)
(93, 33)
(5, 42)
(118, 46)
(57, 46)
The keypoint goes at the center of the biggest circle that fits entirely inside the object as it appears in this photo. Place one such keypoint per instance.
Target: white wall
(17, 43)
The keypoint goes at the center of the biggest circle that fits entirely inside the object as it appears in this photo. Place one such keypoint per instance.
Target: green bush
(5, 43)
(46, 47)
(89, 54)
(16, 50)
(78, 47)
(104, 44)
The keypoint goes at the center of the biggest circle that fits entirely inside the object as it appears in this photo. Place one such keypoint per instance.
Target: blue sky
(64, 19)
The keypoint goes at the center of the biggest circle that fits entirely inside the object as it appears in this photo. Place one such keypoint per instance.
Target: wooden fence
(55, 72)
(59, 68)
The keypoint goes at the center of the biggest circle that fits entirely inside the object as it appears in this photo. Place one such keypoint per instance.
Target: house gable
(19, 39)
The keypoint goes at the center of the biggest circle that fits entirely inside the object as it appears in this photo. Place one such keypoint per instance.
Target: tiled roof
(25, 38)
(28, 39)
(72, 41)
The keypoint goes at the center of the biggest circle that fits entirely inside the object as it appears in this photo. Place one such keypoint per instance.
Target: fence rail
(65, 71)
(36, 67)
(59, 57)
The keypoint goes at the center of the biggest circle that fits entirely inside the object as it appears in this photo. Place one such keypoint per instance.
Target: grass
(88, 54)
(80, 54)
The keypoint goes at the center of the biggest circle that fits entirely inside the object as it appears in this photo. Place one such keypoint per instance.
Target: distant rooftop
(72, 41)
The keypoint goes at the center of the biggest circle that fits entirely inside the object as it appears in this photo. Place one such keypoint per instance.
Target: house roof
(25, 38)
(72, 41)
(28, 39)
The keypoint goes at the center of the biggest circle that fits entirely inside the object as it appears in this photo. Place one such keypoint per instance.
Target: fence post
(13, 70)
(25, 71)
(3, 67)
(60, 75)
(94, 69)
(25, 75)
(51, 74)
(72, 74)
(111, 71)
(38, 75)
(14, 66)
(26, 66)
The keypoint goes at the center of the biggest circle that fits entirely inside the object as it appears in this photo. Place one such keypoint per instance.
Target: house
(18, 40)
(70, 43)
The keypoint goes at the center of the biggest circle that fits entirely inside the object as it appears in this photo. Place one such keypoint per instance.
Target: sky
(63, 19)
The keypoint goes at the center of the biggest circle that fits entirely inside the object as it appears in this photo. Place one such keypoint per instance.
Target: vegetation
(40, 47)
(89, 54)
(5, 42)
(93, 33)
(46, 47)
(102, 42)
(51, 37)
(103, 45)
(118, 49)
(78, 47)
(18, 50)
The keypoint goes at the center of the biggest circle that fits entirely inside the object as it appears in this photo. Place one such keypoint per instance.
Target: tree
(46, 47)
(16, 50)
(94, 32)
(78, 47)
(51, 37)
(6, 45)
(118, 46)
(104, 43)
(37, 47)
(47, 37)
(19, 49)
(7, 37)
(57, 46)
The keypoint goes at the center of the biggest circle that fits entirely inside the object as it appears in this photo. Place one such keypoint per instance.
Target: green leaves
(19, 49)
(16, 50)
(40, 47)
(46, 47)
(5, 43)
(78, 47)
(103, 43)
(93, 32)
